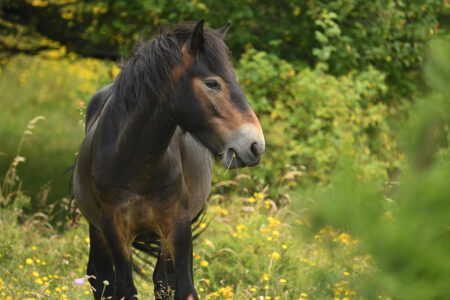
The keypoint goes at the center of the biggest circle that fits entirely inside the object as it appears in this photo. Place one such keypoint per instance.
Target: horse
(144, 168)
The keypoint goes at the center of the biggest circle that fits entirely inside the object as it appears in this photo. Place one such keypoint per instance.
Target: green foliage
(386, 34)
(310, 118)
(57, 90)
(347, 35)
(249, 250)
(331, 115)
(405, 226)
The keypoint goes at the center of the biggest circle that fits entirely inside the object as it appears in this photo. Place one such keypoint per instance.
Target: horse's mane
(145, 77)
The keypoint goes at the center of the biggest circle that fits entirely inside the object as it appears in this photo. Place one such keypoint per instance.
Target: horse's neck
(145, 133)
(137, 142)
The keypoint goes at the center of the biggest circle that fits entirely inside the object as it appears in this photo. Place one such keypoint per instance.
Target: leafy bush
(405, 226)
(387, 34)
(311, 118)
(346, 34)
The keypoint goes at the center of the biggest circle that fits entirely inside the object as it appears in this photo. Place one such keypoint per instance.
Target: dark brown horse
(144, 169)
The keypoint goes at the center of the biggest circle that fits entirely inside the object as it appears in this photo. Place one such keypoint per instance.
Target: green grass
(249, 250)
(263, 242)
(33, 86)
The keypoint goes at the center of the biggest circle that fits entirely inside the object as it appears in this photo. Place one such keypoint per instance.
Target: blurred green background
(353, 97)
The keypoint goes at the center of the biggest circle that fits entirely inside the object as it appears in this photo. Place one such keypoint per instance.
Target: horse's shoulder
(96, 105)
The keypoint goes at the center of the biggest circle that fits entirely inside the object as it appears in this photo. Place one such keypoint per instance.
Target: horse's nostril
(255, 149)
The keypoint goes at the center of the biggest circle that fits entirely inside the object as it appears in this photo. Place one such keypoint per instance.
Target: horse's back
(96, 105)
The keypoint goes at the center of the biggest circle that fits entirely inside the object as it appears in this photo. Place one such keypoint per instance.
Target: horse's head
(209, 102)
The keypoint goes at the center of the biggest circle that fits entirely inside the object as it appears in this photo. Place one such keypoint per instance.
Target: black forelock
(145, 78)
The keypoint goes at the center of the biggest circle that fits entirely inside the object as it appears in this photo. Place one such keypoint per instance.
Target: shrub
(406, 228)
(311, 118)
(346, 34)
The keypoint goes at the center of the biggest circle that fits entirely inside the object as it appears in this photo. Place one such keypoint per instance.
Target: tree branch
(47, 21)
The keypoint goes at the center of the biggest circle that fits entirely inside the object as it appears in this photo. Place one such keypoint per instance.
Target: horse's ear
(196, 40)
(223, 30)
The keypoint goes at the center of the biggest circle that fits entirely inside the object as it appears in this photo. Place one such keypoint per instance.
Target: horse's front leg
(100, 265)
(181, 251)
(119, 240)
(164, 275)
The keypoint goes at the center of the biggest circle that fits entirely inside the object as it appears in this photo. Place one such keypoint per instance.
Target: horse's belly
(86, 202)
(82, 184)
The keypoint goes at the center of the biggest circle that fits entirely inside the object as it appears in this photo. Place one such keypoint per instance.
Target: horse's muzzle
(244, 148)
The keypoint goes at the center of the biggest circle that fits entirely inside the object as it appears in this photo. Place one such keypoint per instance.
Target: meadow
(252, 247)
(347, 204)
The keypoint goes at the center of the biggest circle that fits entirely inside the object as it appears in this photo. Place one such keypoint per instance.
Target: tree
(344, 35)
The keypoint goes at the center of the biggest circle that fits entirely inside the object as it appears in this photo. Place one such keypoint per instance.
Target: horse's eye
(213, 84)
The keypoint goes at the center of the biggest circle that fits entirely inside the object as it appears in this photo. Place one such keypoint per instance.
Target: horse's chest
(197, 172)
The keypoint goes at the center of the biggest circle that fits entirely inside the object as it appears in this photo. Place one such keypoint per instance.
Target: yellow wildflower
(226, 292)
(240, 227)
(273, 222)
(345, 238)
(258, 195)
(204, 263)
(213, 295)
(275, 255)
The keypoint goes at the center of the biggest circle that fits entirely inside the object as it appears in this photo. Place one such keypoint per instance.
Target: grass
(263, 242)
(57, 90)
(253, 248)
(250, 250)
